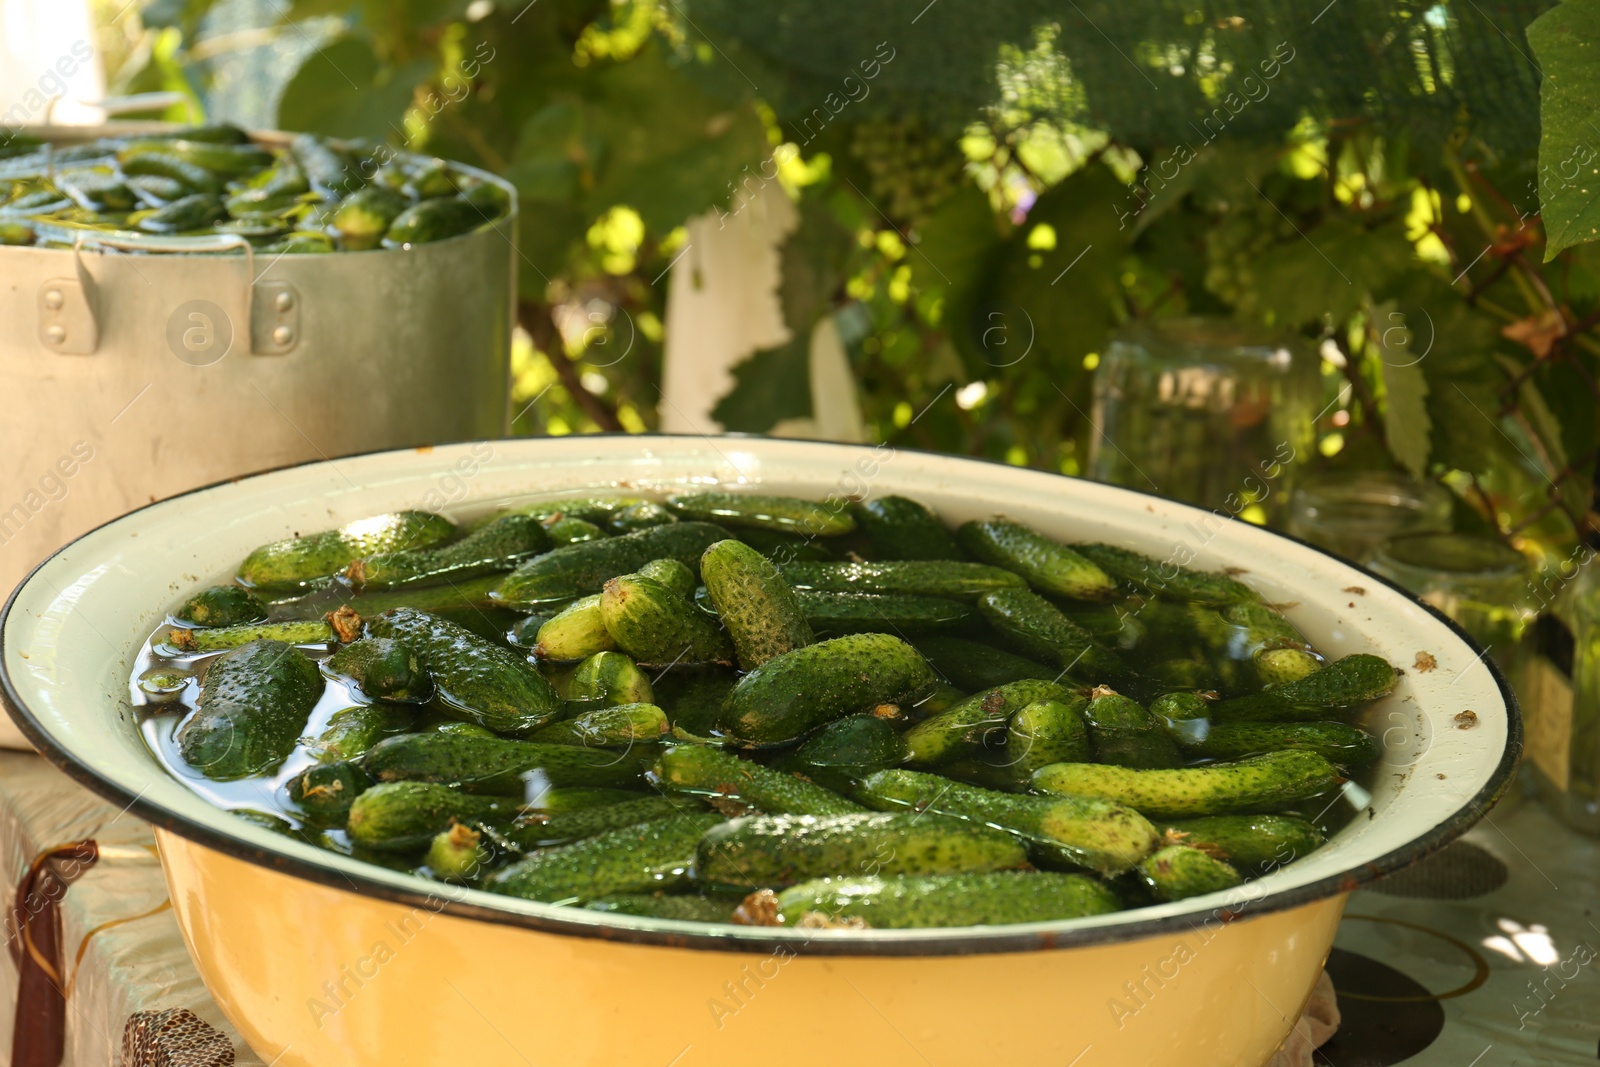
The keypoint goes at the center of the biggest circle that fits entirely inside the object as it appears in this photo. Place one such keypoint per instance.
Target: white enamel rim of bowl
(70, 629)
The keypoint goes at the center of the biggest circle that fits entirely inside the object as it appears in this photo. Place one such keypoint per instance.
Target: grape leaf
(1567, 41)
(1326, 271)
(1406, 425)
(772, 385)
(342, 90)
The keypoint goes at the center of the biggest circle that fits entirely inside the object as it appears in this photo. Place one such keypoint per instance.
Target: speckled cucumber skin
(632, 859)
(1165, 578)
(684, 906)
(771, 850)
(221, 605)
(1102, 836)
(957, 730)
(325, 791)
(253, 707)
(760, 611)
(672, 574)
(1125, 734)
(1046, 563)
(618, 726)
(574, 633)
(641, 516)
(840, 613)
(844, 749)
(498, 546)
(912, 577)
(973, 666)
(1264, 625)
(709, 771)
(607, 679)
(383, 669)
(1280, 666)
(991, 899)
(405, 815)
(1249, 842)
(352, 731)
(657, 626)
(1047, 731)
(800, 690)
(496, 766)
(573, 531)
(222, 638)
(1344, 683)
(584, 568)
(299, 561)
(902, 528)
(543, 831)
(1039, 628)
(1178, 872)
(588, 508)
(474, 680)
(810, 518)
(1335, 741)
(1258, 783)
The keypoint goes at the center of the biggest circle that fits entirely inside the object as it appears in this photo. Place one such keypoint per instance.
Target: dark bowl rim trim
(980, 941)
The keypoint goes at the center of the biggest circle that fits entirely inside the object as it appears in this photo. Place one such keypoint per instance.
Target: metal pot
(318, 958)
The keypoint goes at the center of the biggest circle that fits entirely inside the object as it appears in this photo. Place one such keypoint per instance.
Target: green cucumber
(1335, 741)
(972, 665)
(597, 509)
(759, 610)
(1187, 717)
(395, 816)
(498, 767)
(383, 669)
(693, 699)
(366, 214)
(657, 626)
(687, 907)
(1344, 683)
(221, 605)
(1046, 563)
(254, 704)
(299, 561)
(1125, 734)
(350, 732)
(435, 220)
(798, 691)
(902, 528)
(573, 531)
(1164, 577)
(14, 233)
(324, 166)
(787, 514)
(543, 830)
(846, 749)
(1280, 666)
(575, 633)
(607, 679)
(632, 859)
(990, 899)
(640, 516)
(844, 613)
(1256, 783)
(1039, 628)
(194, 179)
(912, 577)
(194, 212)
(959, 729)
(708, 771)
(1178, 872)
(786, 548)
(1047, 731)
(772, 850)
(622, 725)
(325, 791)
(474, 680)
(1264, 626)
(500, 545)
(1102, 836)
(1258, 843)
(581, 569)
(221, 638)
(672, 574)
(562, 799)
(457, 854)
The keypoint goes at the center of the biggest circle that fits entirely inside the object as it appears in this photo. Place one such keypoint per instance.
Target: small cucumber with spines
(582, 569)
(761, 613)
(394, 816)
(1186, 716)
(366, 214)
(323, 165)
(1258, 843)
(575, 633)
(640, 516)
(708, 771)
(786, 548)
(383, 669)
(221, 638)
(632, 859)
(457, 854)
(597, 509)
(618, 726)
(193, 212)
(846, 749)
(655, 625)
(1124, 733)
(1165, 577)
(607, 679)
(1047, 731)
(1336, 741)
(904, 613)
(254, 704)
(973, 665)
(913, 577)
(221, 605)
(902, 528)
(787, 514)
(435, 220)
(989, 899)
(500, 545)
(325, 791)
(547, 829)
(1256, 783)
(672, 574)
(958, 730)
(1178, 872)
(1047, 564)
(499, 767)
(573, 531)
(1344, 683)
(1041, 629)
(350, 732)
(299, 561)
(1280, 666)
(688, 907)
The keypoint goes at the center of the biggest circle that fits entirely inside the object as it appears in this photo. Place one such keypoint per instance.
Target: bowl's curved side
(69, 633)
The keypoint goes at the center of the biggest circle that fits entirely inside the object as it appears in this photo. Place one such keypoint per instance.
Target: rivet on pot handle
(66, 320)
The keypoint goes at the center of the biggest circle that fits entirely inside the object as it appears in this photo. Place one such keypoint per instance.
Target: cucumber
(543, 830)
(1264, 626)
(194, 179)
(299, 243)
(221, 638)
(194, 212)
(474, 680)
(500, 545)
(1257, 783)
(456, 728)
(1279, 666)
(633, 859)
(350, 732)
(576, 632)
(572, 531)
(759, 610)
(1178, 872)
(622, 725)
(1047, 731)
(15, 233)
(1038, 628)
(589, 508)
(1187, 717)
(323, 166)
(581, 569)
(1343, 683)
(254, 704)
(672, 574)
(992, 899)
(708, 771)
(693, 699)
(688, 907)
(232, 160)
(1335, 741)
(798, 691)
(844, 613)
(366, 214)
(325, 791)
(1046, 563)
(296, 562)
(772, 850)
(654, 625)
(786, 548)
(1257, 843)
(498, 767)
(563, 799)
(436, 220)
(1125, 734)
(786, 514)
(1102, 836)
(383, 669)
(914, 577)
(221, 605)
(846, 749)
(956, 731)
(394, 816)
(457, 854)
(971, 665)
(1164, 577)
(902, 528)
(607, 679)
(640, 516)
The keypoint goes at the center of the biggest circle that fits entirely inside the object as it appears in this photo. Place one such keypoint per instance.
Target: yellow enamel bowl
(319, 959)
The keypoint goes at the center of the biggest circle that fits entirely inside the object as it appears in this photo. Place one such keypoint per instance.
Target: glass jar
(1353, 512)
(1561, 708)
(1207, 411)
